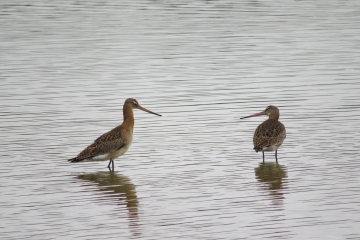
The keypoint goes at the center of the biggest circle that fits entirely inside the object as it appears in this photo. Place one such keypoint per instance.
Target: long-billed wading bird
(114, 143)
(270, 134)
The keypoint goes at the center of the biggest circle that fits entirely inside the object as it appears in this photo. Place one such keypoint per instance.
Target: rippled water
(67, 67)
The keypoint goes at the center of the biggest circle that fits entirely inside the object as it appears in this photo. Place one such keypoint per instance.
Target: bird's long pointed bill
(144, 109)
(254, 115)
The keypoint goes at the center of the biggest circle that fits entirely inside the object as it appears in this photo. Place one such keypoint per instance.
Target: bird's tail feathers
(261, 146)
(257, 149)
(76, 159)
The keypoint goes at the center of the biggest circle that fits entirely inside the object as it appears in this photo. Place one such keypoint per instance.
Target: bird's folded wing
(113, 134)
(268, 133)
(100, 148)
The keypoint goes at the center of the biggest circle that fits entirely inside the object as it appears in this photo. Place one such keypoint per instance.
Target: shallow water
(67, 67)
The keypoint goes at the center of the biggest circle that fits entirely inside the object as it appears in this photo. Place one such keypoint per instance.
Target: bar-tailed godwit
(114, 143)
(270, 134)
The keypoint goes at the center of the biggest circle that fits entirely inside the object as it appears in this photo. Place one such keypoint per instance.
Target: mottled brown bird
(114, 143)
(270, 134)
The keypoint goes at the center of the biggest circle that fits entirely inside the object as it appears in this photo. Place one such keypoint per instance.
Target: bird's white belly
(112, 155)
(270, 148)
(273, 147)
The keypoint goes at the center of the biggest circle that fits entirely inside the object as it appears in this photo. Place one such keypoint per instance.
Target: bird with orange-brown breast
(114, 143)
(270, 134)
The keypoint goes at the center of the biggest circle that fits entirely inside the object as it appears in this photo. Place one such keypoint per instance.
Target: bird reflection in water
(273, 175)
(120, 187)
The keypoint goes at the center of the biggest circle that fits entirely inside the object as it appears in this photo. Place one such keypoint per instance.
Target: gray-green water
(66, 68)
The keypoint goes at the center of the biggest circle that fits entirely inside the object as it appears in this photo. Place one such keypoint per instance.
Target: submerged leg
(276, 155)
(263, 157)
(111, 162)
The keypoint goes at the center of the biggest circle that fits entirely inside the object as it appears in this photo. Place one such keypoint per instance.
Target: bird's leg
(276, 155)
(263, 157)
(111, 162)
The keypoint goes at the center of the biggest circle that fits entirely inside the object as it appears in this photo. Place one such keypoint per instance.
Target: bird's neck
(128, 117)
(274, 116)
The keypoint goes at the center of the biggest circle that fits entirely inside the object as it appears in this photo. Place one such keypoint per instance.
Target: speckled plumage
(114, 143)
(269, 135)
(107, 144)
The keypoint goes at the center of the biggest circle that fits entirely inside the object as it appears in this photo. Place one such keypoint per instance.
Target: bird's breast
(120, 152)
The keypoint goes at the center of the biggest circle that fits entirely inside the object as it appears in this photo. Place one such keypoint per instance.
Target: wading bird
(270, 134)
(114, 143)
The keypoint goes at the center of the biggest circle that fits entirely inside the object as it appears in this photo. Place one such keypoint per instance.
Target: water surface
(67, 67)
